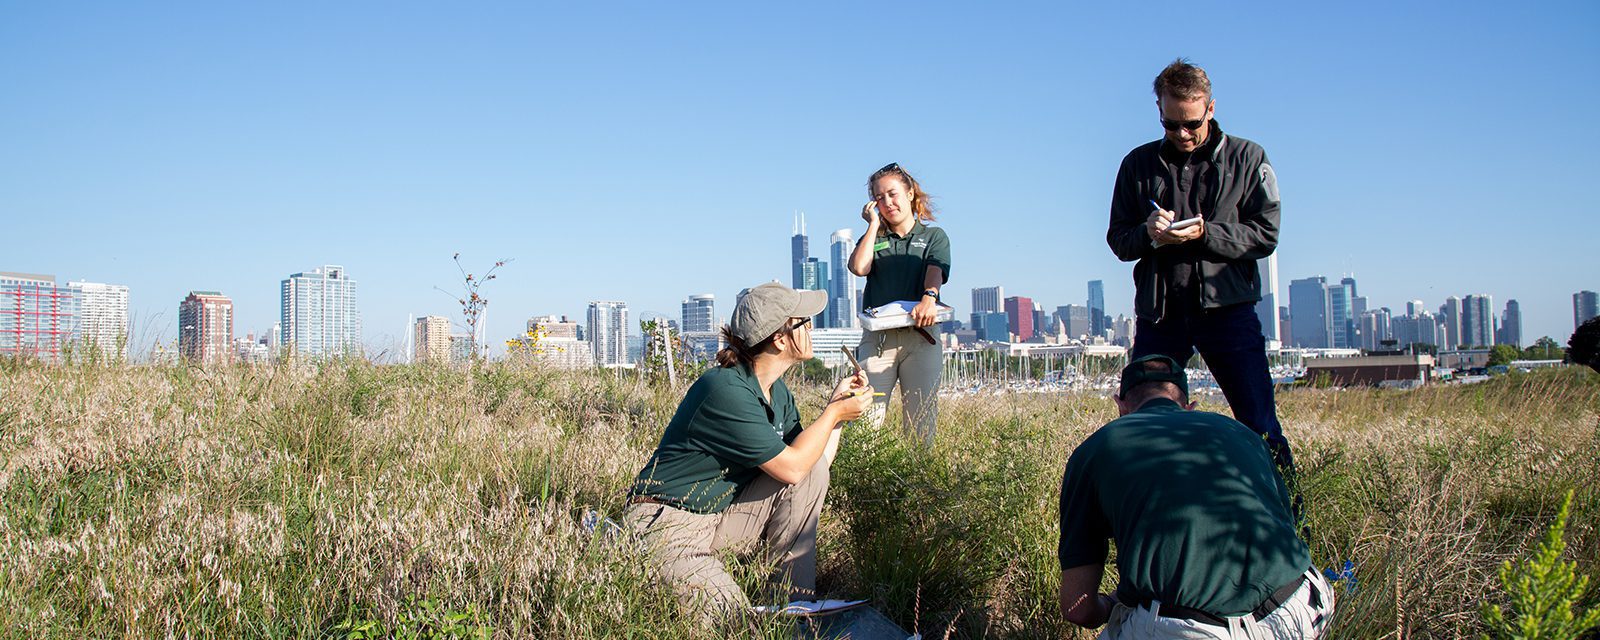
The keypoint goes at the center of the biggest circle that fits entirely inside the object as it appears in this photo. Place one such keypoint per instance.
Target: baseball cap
(764, 309)
(1135, 374)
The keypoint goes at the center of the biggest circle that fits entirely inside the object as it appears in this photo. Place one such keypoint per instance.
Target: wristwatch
(931, 292)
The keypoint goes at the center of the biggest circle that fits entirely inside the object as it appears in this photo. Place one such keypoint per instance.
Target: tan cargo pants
(904, 356)
(768, 514)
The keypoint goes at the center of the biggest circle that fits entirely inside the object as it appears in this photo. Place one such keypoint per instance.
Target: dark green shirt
(1199, 514)
(899, 263)
(722, 433)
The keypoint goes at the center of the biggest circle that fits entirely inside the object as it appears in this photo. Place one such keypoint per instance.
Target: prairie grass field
(346, 499)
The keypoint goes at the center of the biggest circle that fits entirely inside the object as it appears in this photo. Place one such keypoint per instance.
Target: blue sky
(648, 151)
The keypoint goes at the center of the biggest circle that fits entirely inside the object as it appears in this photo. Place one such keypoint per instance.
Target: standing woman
(903, 259)
(735, 468)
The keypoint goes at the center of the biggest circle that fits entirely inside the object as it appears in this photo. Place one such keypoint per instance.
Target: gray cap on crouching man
(1202, 522)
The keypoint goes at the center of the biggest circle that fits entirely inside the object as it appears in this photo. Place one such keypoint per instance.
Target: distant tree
(1503, 354)
(815, 370)
(1544, 349)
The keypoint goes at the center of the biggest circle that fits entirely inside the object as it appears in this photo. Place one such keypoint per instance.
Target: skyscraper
(1309, 313)
(205, 328)
(1510, 325)
(103, 318)
(842, 286)
(1077, 320)
(319, 314)
(431, 340)
(1041, 321)
(1340, 321)
(1585, 305)
(608, 332)
(988, 299)
(37, 318)
(799, 250)
(1477, 321)
(700, 313)
(1267, 307)
(1450, 316)
(1097, 309)
(1374, 328)
(814, 276)
(1019, 316)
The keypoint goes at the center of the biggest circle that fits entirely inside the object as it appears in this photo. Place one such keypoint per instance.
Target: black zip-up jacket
(1241, 225)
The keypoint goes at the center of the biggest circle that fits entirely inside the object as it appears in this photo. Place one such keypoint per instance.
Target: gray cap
(763, 310)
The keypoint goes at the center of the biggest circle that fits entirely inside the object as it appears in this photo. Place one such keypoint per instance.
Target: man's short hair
(1148, 375)
(1184, 81)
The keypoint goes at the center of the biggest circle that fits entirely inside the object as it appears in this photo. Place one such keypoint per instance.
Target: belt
(645, 500)
(924, 332)
(1271, 604)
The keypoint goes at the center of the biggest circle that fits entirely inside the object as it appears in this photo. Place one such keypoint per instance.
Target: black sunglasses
(1192, 125)
(1172, 125)
(893, 166)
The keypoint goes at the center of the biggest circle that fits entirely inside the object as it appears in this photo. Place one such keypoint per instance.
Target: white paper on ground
(809, 607)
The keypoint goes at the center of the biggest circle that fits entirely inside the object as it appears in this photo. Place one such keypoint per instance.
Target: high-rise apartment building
(38, 318)
(842, 285)
(799, 250)
(1510, 325)
(1585, 305)
(1097, 309)
(989, 299)
(319, 315)
(103, 317)
(430, 340)
(1019, 316)
(1310, 314)
(700, 313)
(1450, 316)
(1375, 327)
(205, 328)
(608, 332)
(1267, 307)
(1477, 321)
(1341, 310)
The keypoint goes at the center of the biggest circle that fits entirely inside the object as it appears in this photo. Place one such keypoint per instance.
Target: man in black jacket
(1196, 209)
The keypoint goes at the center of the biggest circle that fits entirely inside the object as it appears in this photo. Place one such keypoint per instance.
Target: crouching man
(736, 468)
(1206, 544)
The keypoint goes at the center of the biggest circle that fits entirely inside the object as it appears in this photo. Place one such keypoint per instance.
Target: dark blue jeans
(1230, 340)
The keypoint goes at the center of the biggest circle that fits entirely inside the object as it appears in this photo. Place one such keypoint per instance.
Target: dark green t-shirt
(723, 431)
(1199, 514)
(899, 263)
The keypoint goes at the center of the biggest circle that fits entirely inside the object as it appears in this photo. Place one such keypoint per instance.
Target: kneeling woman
(735, 467)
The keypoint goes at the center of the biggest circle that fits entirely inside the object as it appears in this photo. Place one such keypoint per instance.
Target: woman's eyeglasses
(799, 324)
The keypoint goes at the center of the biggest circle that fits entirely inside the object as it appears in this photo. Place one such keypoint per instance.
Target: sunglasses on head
(891, 167)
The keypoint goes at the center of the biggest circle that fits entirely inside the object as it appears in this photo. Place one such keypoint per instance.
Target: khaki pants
(768, 513)
(904, 356)
(1304, 615)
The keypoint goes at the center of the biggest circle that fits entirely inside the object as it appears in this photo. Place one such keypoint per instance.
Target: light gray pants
(904, 356)
(1301, 616)
(768, 514)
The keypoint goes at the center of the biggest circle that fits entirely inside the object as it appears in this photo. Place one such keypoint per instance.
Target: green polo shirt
(898, 264)
(1199, 514)
(722, 433)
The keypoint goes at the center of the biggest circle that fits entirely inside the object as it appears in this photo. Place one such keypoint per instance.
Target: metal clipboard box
(897, 314)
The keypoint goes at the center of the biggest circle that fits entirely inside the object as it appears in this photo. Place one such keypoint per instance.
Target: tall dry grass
(295, 501)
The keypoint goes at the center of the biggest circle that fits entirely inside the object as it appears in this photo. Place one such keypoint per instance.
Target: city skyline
(554, 137)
